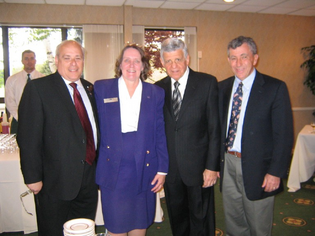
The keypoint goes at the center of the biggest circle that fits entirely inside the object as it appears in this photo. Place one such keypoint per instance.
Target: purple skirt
(124, 209)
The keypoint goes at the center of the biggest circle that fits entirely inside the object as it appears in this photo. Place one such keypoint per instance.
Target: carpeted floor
(294, 215)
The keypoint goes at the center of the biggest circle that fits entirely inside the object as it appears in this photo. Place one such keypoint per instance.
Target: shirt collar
(182, 80)
(68, 82)
(247, 82)
(123, 91)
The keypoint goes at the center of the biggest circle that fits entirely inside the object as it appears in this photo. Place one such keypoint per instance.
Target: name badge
(109, 100)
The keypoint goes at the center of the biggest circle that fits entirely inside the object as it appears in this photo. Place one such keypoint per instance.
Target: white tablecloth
(13, 217)
(303, 161)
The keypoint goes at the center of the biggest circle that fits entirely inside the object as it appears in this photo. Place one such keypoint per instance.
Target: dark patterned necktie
(28, 78)
(177, 100)
(235, 115)
(79, 106)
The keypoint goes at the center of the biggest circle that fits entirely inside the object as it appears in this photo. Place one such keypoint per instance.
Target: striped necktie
(177, 100)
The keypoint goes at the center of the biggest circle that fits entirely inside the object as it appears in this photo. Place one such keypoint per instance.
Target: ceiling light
(228, 0)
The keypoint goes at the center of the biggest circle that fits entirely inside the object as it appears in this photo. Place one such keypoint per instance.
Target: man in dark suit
(57, 153)
(257, 138)
(193, 140)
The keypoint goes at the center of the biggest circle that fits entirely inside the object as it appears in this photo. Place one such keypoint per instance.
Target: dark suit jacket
(150, 145)
(194, 140)
(51, 138)
(267, 135)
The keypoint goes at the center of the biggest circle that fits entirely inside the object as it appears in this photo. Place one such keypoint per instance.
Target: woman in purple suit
(133, 159)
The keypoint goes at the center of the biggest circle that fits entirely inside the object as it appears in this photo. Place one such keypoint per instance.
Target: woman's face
(131, 65)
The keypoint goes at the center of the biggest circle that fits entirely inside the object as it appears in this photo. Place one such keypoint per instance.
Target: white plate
(81, 225)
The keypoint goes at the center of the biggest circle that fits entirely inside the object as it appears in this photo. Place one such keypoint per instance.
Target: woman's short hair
(145, 73)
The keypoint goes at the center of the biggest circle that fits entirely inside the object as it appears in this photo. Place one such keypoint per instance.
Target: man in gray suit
(57, 153)
(193, 141)
(257, 138)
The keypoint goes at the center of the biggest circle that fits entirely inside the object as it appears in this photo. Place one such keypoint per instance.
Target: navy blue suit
(267, 135)
(151, 153)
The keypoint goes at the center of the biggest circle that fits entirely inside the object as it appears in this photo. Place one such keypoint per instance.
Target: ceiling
(286, 7)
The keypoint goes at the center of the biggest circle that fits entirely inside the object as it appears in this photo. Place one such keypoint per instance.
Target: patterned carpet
(294, 215)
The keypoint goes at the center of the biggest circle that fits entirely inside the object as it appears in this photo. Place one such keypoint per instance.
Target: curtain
(103, 44)
(138, 35)
(191, 42)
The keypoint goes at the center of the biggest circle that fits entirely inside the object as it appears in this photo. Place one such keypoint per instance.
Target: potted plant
(309, 65)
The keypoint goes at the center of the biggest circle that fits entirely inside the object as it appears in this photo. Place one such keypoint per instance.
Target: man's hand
(35, 187)
(209, 178)
(271, 183)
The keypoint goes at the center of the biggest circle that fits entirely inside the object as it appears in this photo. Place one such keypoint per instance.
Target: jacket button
(107, 147)
(148, 164)
(107, 159)
(83, 162)
(148, 152)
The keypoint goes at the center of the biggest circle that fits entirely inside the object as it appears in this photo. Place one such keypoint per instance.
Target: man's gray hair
(171, 45)
(237, 42)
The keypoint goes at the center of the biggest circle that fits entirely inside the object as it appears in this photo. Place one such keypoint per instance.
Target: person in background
(57, 136)
(193, 141)
(257, 133)
(15, 84)
(133, 159)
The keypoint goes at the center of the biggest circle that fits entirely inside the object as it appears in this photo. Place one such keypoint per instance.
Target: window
(152, 46)
(42, 40)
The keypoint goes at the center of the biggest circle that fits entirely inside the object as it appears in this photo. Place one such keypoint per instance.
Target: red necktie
(79, 106)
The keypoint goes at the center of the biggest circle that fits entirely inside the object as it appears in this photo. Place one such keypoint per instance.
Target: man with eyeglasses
(193, 141)
(15, 84)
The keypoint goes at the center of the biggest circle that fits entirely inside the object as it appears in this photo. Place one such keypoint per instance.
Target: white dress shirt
(247, 86)
(129, 106)
(182, 83)
(14, 88)
(87, 104)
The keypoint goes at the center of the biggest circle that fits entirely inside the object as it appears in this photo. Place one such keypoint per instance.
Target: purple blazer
(150, 146)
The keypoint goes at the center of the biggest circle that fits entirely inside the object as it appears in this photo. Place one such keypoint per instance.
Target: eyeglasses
(21, 198)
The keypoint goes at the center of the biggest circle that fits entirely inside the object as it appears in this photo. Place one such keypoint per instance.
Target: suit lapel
(167, 85)
(226, 100)
(145, 119)
(61, 87)
(190, 90)
(255, 98)
(112, 113)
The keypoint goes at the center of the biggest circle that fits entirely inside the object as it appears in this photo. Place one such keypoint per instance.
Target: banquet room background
(279, 38)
